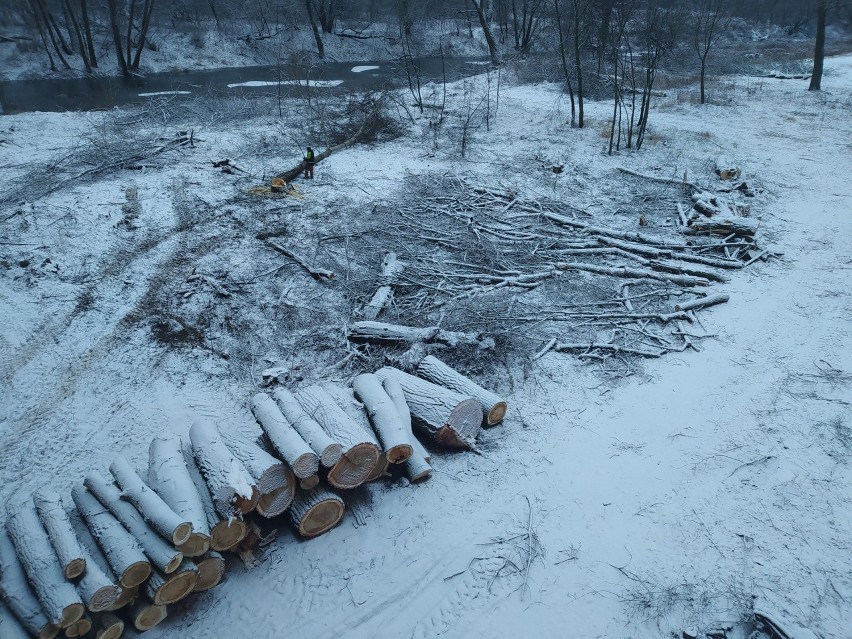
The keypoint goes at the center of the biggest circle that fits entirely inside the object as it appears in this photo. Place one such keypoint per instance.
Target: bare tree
(327, 14)
(819, 48)
(493, 51)
(529, 24)
(309, 5)
(129, 61)
(711, 20)
(564, 58)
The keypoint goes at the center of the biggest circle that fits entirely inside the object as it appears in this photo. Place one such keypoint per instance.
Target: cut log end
(331, 455)
(49, 631)
(79, 629)
(195, 546)
(278, 488)
(244, 505)
(399, 454)
(354, 467)
(182, 533)
(227, 534)
(210, 572)
(309, 482)
(147, 616)
(274, 503)
(496, 414)
(71, 614)
(174, 563)
(112, 630)
(462, 425)
(75, 568)
(105, 598)
(176, 588)
(305, 466)
(135, 575)
(322, 517)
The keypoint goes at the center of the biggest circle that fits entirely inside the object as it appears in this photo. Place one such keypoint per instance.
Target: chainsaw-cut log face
(146, 615)
(437, 372)
(109, 627)
(316, 512)
(227, 534)
(211, 569)
(195, 546)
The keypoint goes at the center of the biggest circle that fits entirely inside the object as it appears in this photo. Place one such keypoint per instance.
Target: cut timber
(211, 569)
(309, 482)
(436, 371)
(391, 267)
(59, 599)
(128, 595)
(360, 450)
(123, 553)
(311, 432)
(10, 627)
(380, 469)
(98, 589)
(55, 520)
(723, 225)
(315, 512)
(445, 416)
(701, 302)
(284, 438)
(417, 466)
(161, 554)
(379, 332)
(149, 504)
(384, 417)
(146, 615)
(17, 594)
(228, 480)
(225, 532)
(108, 626)
(273, 478)
(167, 589)
(169, 476)
(80, 628)
(357, 412)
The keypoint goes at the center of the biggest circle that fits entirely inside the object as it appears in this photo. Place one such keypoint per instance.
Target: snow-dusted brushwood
(391, 267)
(98, 590)
(229, 482)
(170, 479)
(59, 598)
(121, 549)
(314, 512)
(382, 333)
(55, 520)
(17, 594)
(384, 417)
(225, 530)
(161, 553)
(108, 626)
(145, 615)
(445, 416)
(211, 569)
(273, 479)
(360, 449)
(149, 504)
(284, 438)
(10, 627)
(325, 447)
(436, 371)
(417, 466)
(167, 589)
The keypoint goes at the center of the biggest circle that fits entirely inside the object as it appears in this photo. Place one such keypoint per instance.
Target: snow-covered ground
(679, 499)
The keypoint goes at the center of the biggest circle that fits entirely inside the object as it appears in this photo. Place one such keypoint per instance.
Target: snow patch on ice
(299, 83)
(366, 67)
(156, 93)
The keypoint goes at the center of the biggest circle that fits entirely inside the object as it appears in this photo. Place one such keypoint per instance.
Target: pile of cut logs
(132, 545)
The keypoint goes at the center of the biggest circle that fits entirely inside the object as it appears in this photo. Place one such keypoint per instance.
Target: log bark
(445, 416)
(162, 555)
(225, 532)
(211, 569)
(10, 627)
(58, 598)
(168, 589)
(311, 432)
(284, 438)
(98, 589)
(273, 478)
(360, 450)
(701, 302)
(722, 225)
(229, 482)
(17, 594)
(146, 615)
(108, 626)
(417, 466)
(384, 417)
(149, 504)
(315, 512)
(123, 553)
(436, 371)
(391, 267)
(309, 482)
(382, 333)
(55, 520)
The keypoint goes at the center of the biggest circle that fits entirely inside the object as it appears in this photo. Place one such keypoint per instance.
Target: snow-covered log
(284, 438)
(229, 482)
(51, 512)
(122, 551)
(17, 594)
(108, 626)
(445, 416)
(384, 417)
(315, 512)
(381, 333)
(211, 569)
(701, 302)
(360, 449)
(145, 615)
(161, 553)
(10, 627)
(149, 504)
(98, 589)
(167, 589)
(59, 598)
(273, 478)
(437, 372)
(391, 267)
(417, 466)
(225, 531)
(325, 447)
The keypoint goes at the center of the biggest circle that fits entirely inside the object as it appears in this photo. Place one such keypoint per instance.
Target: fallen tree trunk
(379, 332)
(169, 477)
(296, 171)
(10, 627)
(315, 512)
(686, 269)
(145, 615)
(309, 430)
(58, 598)
(272, 477)
(384, 417)
(17, 594)
(360, 450)
(55, 520)
(161, 554)
(391, 267)
(624, 271)
(108, 626)
(723, 225)
(167, 589)
(122, 551)
(417, 466)
(211, 569)
(229, 482)
(701, 302)
(436, 371)
(445, 416)
(284, 438)
(149, 504)
(226, 531)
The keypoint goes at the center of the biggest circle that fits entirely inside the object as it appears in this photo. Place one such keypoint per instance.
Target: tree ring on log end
(182, 533)
(113, 632)
(174, 563)
(149, 617)
(135, 575)
(322, 517)
(105, 598)
(210, 572)
(49, 631)
(176, 588)
(71, 614)
(227, 534)
(75, 568)
(195, 546)
(497, 413)
(399, 454)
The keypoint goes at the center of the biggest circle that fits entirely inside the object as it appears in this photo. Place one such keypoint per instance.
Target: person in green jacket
(309, 164)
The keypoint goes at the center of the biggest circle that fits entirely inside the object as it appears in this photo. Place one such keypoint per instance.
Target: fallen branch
(701, 302)
(317, 274)
(654, 178)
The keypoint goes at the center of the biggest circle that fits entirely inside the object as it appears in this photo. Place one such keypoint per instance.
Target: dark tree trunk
(87, 31)
(703, 73)
(578, 64)
(486, 30)
(147, 10)
(327, 14)
(69, 12)
(131, 16)
(309, 5)
(564, 59)
(45, 20)
(40, 27)
(116, 37)
(819, 48)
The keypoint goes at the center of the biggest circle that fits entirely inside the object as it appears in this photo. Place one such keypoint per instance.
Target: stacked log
(167, 589)
(98, 589)
(55, 520)
(273, 479)
(384, 417)
(437, 372)
(417, 467)
(108, 626)
(229, 482)
(145, 615)
(10, 627)
(315, 512)
(284, 438)
(309, 430)
(445, 416)
(211, 569)
(80, 628)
